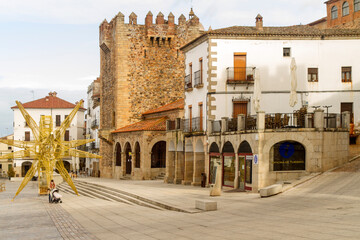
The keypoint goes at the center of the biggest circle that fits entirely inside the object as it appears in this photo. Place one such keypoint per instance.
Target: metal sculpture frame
(48, 149)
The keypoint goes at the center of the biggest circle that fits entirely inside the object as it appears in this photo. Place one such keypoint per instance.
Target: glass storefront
(229, 170)
(289, 156)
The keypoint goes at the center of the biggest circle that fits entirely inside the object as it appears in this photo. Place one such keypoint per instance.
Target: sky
(52, 45)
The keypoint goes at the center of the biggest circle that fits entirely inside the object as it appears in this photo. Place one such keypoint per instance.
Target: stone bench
(271, 190)
(206, 205)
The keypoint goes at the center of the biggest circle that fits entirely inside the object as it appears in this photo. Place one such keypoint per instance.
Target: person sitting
(52, 186)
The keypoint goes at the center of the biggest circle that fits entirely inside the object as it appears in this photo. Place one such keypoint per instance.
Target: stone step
(85, 192)
(155, 204)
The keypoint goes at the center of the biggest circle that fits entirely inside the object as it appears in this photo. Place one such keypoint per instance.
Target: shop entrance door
(242, 173)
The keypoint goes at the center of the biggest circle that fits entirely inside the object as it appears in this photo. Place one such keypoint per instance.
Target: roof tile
(156, 124)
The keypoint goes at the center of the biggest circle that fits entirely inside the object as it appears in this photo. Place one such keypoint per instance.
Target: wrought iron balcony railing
(197, 79)
(240, 75)
(188, 83)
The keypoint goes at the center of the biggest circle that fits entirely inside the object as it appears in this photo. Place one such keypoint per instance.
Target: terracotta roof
(178, 104)
(324, 19)
(156, 124)
(48, 102)
(296, 30)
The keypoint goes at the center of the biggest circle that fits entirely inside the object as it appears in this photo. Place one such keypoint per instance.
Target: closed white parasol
(257, 91)
(293, 95)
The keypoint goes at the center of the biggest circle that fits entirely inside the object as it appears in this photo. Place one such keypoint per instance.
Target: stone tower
(141, 68)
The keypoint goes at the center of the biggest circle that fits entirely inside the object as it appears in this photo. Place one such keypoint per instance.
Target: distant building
(92, 126)
(58, 109)
(142, 68)
(6, 164)
(340, 14)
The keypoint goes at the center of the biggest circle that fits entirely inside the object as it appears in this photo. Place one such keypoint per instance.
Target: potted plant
(11, 173)
(250, 77)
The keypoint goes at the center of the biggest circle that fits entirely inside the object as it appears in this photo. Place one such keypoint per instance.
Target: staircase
(160, 176)
(92, 190)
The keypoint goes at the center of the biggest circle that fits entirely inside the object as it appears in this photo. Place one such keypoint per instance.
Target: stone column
(123, 164)
(308, 122)
(179, 167)
(319, 119)
(241, 122)
(224, 124)
(260, 121)
(189, 168)
(199, 163)
(170, 167)
(236, 183)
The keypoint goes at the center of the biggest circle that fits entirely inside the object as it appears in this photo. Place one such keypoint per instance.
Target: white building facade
(58, 109)
(92, 127)
(223, 129)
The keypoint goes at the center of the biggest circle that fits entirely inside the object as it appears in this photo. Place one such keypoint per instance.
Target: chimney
(149, 19)
(259, 22)
(160, 18)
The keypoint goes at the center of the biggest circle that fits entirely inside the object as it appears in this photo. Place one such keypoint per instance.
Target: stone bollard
(260, 121)
(319, 119)
(241, 122)
(224, 124)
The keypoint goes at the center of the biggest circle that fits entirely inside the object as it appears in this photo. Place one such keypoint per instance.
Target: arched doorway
(215, 162)
(288, 156)
(128, 159)
(137, 155)
(158, 155)
(117, 154)
(228, 155)
(67, 166)
(245, 166)
(25, 168)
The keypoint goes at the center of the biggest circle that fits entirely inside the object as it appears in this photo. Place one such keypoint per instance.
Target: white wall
(197, 95)
(267, 56)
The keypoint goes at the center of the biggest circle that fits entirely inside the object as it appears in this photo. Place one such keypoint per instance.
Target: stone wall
(142, 68)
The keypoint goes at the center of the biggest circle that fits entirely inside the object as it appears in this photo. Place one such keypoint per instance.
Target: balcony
(240, 75)
(198, 79)
(193, 125)
(188, 83)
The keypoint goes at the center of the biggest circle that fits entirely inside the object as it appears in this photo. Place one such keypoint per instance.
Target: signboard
(256, 159)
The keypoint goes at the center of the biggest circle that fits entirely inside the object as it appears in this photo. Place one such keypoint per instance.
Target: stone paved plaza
(325, 207)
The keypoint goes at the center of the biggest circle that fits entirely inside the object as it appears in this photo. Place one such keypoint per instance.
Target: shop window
(346, 74)
(345, 9)
(334, 12)
(313, 75)
(288, 156)
(228, 165)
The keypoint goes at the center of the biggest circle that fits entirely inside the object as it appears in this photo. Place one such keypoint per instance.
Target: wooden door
(201, 116)
(67, 135)
(239, 108)
(240, 66)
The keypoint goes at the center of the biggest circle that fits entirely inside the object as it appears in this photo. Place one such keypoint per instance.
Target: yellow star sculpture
(48, 149)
